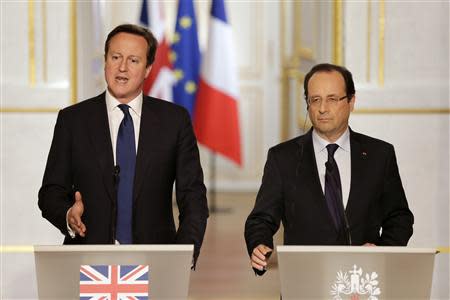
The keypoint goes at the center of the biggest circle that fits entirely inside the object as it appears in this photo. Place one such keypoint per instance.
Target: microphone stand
(116, 178)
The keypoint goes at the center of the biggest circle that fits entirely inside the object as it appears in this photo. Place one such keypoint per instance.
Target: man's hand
(260, 256)
(369, 245)
(74, 216)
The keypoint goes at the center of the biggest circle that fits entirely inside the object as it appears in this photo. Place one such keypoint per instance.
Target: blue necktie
(333, 190)
(126, 160)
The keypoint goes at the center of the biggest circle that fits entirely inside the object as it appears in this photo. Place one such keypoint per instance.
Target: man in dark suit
(331, 186)
(114, 159)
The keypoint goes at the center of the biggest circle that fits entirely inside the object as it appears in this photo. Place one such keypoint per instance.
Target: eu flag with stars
(185, 56)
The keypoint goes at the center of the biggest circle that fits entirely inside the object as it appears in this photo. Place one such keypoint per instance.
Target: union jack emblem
(114, 282)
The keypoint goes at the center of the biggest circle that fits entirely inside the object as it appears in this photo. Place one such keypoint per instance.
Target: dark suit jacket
(81, 159)
(291, 192)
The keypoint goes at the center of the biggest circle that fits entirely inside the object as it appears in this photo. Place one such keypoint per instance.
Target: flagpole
(213, 208)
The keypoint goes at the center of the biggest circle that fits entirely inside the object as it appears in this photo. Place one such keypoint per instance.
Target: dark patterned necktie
(126, 160)
(333, 190)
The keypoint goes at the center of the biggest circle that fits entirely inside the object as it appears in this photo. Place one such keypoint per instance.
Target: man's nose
(123, 65)
(323, 105)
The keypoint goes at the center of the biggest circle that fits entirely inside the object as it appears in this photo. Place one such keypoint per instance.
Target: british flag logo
(114, 282)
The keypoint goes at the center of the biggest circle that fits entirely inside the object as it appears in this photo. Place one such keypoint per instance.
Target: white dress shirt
(341, 156)
(115, 117)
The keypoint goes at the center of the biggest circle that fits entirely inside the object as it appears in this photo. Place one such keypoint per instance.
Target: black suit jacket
(291, 192)
(81, 159)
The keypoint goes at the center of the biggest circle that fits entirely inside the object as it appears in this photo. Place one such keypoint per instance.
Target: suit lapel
(308, 166)
(101, 139)
(358, 165)
(148, 134)
(309, 175)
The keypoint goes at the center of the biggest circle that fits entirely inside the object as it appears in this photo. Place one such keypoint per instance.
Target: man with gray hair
(331, 186)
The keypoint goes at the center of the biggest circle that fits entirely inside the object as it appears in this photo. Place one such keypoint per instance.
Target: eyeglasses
(333, 100)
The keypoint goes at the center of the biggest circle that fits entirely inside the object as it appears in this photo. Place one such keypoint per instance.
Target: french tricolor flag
(216, 115)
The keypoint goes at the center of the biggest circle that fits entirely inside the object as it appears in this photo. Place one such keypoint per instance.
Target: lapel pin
(364, 153)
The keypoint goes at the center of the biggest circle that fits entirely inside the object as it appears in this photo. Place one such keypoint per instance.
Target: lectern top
(356, 249)
(112, 248)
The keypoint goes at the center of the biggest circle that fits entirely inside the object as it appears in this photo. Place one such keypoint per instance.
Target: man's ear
(147, 71)
(351, 101)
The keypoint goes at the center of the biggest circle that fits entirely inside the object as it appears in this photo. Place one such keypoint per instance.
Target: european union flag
(186, 56)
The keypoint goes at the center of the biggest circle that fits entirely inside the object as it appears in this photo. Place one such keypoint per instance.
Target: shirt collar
(343, 141)
(135, 104)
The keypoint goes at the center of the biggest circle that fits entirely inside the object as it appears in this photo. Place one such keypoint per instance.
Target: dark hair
(152, 43)
(346, 74)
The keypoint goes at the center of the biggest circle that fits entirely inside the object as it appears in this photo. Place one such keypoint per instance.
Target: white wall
(412, 105)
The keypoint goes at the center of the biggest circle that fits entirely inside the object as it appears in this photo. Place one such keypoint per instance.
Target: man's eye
(314, 100)
(134, 60)
(333, 99)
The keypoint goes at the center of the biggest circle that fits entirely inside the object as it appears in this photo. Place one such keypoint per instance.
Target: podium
(63, 272)
(352, 272)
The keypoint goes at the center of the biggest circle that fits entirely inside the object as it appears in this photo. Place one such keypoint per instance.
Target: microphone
(347, 230)
(115, 174)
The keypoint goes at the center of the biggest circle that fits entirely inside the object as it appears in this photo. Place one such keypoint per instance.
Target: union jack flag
(114, 282)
